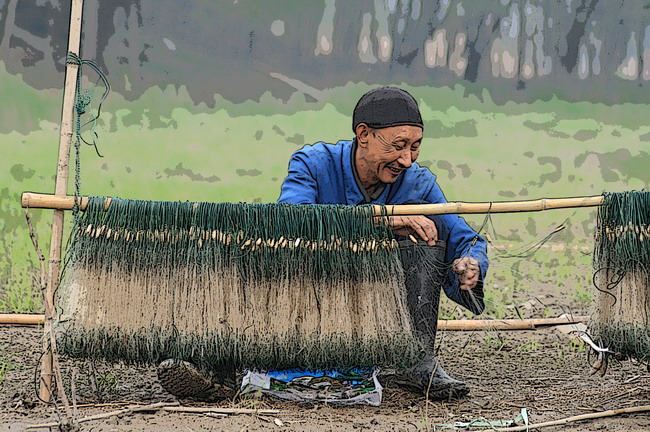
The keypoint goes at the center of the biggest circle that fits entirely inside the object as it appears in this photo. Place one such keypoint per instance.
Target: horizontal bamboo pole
(35, 200)
(507, 324)
(27, 319)
(461, 325)
(490, 207)
(55, 202)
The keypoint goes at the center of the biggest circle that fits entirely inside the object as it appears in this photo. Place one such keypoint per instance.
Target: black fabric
(424, 271)
(472, 300)
(385, 107)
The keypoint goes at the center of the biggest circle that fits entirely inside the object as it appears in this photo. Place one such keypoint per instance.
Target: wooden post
(60, 189)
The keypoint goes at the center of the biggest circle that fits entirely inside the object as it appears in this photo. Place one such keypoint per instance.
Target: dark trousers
(425, 271)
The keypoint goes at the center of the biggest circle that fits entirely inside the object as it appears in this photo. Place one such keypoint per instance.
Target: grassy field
(163, 147)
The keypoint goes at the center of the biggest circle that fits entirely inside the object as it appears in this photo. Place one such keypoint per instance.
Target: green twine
(274, 242)
(622, 253)
(623, 232)
(83, 99)
(216, 351)
(328, 241)
(626, 339)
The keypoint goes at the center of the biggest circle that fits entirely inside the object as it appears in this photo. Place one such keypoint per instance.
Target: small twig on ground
(92, 377)
(165, 406)
(73, 390)
(222, 410)
(602, 414)
(618, 396)
(426, 396)
(128, 410)
(39, 252)
(97, 405)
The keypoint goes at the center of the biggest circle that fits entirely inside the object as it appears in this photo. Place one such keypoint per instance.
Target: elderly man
(378, 167)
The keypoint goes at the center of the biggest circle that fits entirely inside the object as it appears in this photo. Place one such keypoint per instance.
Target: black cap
(385, 107)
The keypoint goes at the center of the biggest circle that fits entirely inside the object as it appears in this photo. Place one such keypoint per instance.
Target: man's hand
(468, 272)
(422, 226)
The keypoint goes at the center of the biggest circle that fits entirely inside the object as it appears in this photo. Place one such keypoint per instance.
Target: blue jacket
(322, 174)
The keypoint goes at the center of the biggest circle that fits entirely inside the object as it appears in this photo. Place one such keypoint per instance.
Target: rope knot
(73, 59)
(83, 100)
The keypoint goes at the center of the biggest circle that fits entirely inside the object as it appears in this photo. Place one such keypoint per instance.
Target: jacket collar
(353, 190)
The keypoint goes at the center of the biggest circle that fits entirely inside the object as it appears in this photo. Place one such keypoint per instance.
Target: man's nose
(405, 158)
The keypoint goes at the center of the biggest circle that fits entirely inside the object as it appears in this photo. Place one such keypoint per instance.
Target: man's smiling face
(389, 152)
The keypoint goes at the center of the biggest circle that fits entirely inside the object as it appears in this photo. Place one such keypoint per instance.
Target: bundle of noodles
(622, 264)
(234, 285)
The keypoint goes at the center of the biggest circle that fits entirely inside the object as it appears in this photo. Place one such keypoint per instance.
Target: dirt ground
(540, 370)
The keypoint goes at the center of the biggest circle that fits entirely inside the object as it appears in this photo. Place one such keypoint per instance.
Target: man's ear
(362, 130)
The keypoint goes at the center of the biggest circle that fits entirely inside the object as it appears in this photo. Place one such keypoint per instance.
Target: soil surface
(541, 370)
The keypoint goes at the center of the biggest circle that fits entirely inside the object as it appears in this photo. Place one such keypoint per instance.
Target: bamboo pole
(490, 207)
(24, 319)
(47, 201)
(449, 325)
(36, 200)
(507, 324)
(60, 189)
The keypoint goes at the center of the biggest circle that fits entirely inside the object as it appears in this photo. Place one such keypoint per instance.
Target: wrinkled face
(388, 152)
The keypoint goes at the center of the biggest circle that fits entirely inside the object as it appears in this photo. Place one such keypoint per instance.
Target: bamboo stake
(448, 325)
(60, 189)
(56, 367)
(35, 200)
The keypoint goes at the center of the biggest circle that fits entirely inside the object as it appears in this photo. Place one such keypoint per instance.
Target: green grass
(6, 364)
(532, 344)
(107, 382)
(3, 371)
(163, 147)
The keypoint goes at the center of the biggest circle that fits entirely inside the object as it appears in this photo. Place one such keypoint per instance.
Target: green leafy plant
(6, 365)
(577, 345)
(530, 345)
(107, 382)
(582, 295)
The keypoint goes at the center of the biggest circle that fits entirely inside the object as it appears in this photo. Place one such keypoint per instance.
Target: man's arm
(299, 187)
(467, 251)
(421, 227)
